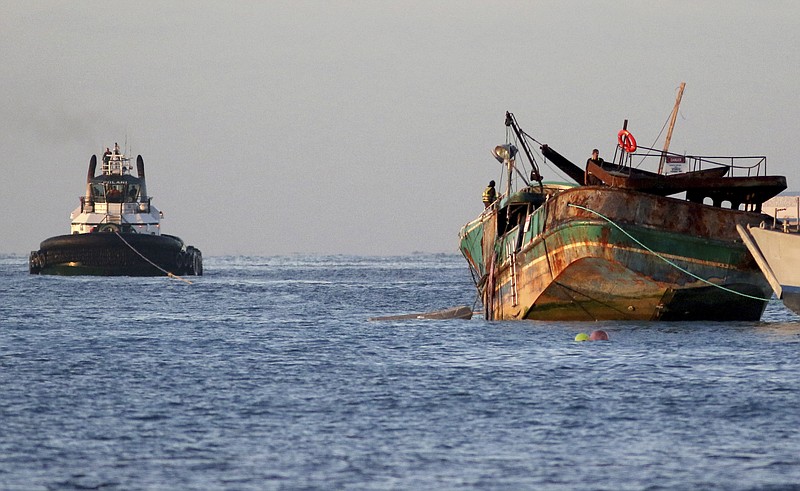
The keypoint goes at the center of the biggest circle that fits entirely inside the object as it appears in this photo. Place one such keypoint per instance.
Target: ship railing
(115, 164)
(101, 205)
(739, 166)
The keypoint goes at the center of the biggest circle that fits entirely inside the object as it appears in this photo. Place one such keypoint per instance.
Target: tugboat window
(115, 193)
(98, 193)
(133, 193)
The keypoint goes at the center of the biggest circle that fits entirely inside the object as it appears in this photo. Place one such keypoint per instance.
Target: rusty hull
(650, 258)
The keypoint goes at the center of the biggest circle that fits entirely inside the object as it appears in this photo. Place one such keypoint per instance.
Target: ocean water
(265, 374)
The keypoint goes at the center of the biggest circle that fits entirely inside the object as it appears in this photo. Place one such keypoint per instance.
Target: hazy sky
(366, 127)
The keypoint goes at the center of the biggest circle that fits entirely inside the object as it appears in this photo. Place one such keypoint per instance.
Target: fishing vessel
(116, 230)
(775, 246)
(620, 243)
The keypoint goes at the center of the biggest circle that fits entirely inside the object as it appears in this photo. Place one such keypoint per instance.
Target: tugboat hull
(115, 254)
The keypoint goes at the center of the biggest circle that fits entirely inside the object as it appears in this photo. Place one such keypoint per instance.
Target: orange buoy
(626, 141)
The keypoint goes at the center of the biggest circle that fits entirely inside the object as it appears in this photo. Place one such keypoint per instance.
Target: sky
(366, 127)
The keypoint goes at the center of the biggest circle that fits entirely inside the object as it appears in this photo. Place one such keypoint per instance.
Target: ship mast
(671, 126)
(535, 175)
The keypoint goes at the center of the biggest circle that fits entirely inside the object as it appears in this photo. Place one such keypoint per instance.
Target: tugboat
(116, 231)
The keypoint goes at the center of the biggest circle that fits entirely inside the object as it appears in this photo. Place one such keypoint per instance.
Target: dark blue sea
(265, 374)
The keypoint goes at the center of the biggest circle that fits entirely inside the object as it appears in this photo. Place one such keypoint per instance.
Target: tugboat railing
(100, 205)
(115, 164)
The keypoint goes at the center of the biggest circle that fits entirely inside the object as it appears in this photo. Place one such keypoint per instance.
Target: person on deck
(489, 195)
(106, 156)
(588, 177)
(595, 158)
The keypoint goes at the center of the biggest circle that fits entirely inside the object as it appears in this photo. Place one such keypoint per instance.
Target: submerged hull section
(602, 253)
(112, 254)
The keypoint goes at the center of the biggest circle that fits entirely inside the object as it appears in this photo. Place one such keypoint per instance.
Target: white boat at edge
(777, 253)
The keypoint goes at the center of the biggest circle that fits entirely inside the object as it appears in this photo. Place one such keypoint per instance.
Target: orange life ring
(626, 141)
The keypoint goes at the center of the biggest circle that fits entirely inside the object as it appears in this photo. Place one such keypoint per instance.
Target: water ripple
(265, 374)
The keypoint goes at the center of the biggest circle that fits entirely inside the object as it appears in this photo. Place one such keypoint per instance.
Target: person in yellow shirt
(489, 195)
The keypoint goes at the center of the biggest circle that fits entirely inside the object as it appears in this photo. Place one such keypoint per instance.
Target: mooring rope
(665, 259)
(151, 262)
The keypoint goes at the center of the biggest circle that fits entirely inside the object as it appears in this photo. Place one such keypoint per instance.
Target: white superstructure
(116, 200)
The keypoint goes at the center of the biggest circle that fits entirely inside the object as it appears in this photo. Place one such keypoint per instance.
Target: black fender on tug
(194, 264)
(109, 254)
